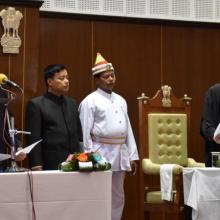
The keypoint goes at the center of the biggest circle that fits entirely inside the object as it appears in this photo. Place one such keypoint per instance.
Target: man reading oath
(53, 117)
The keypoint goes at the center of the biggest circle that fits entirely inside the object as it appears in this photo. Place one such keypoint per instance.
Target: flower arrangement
(85, 162)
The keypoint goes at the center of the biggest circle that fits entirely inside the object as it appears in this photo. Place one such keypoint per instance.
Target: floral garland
(85, 162)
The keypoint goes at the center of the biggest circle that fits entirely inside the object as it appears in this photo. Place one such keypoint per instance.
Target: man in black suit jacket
(209, 122)
(54, 118)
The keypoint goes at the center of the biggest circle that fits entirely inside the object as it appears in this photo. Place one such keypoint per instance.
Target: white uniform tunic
(107, 130)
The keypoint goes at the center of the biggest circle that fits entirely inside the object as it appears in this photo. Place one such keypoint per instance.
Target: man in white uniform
(107, 130)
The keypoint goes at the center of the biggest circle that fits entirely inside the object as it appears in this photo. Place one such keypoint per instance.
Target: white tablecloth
(57, 196)
(202, 192)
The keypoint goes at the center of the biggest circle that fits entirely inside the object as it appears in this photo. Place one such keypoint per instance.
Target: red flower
(83, 157)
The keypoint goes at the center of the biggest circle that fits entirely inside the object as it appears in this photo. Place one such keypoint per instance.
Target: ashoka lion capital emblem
(10, 40)
(166, 101)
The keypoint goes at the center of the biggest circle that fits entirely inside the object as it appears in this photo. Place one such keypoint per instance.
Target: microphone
(4, 80)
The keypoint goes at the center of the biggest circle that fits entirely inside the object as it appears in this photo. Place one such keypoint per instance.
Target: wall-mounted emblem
(10, 40)
(166, 101)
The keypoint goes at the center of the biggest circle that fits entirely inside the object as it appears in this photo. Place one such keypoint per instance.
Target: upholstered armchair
(164, 128)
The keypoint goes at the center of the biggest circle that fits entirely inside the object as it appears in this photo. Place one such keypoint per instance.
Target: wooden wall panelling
(191, 65)
(31, 59)
(68, 41)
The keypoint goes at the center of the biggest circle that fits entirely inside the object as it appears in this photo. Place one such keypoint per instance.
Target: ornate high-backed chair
(164, 126)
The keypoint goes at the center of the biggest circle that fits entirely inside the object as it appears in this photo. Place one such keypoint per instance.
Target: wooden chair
(164, 128)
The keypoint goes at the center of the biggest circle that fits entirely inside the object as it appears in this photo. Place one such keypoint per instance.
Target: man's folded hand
(21, 156)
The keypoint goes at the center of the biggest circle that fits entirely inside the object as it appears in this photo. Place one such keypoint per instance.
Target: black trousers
(188, 212)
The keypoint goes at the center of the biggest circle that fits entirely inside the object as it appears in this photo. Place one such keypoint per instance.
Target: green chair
(164, 125)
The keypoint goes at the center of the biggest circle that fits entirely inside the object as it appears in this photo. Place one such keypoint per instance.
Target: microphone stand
(12, 132)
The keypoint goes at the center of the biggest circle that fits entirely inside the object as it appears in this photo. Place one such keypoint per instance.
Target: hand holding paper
(28, 149)
(21, 154)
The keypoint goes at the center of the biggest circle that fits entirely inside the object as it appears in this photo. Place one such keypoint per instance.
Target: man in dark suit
(209, 122)
(54, 118)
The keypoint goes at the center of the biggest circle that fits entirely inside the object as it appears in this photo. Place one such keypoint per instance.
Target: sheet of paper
(217, 134)
(28, 149)
(4, 156)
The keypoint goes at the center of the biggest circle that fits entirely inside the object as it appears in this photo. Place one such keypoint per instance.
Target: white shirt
(104, 115)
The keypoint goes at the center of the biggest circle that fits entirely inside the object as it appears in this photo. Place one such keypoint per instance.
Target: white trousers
(118, 178)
